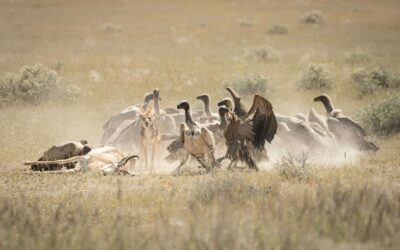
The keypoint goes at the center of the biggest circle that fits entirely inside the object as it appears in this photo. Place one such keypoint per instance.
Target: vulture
(208, 116)
(176, 150)
(59, 152)
(218, 128)
(130, 113)
(196, 140)
(248, 133)
(345, 129)
(327, 102)
(296, 124)
(164, 122)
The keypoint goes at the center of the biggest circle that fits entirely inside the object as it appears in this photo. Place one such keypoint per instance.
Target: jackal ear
(149, 109)
(141, 109)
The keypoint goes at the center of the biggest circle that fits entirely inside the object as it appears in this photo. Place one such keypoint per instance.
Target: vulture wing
(264, 121)
(349, 123)
(207, 137)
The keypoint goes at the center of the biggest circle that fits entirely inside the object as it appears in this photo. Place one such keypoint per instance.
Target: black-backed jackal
(149, 136)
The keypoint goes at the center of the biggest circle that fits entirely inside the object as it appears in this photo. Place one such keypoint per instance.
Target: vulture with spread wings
(248, 134)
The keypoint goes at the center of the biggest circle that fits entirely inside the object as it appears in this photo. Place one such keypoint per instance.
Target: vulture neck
(224, 122)
(156, 102)
(207, 109)
(188, 118)
(146, 100)
(328, 105)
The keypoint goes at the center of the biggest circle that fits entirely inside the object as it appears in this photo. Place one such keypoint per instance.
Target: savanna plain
(113, 52)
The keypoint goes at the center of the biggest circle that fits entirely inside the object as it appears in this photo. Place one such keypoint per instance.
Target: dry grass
(116, 52)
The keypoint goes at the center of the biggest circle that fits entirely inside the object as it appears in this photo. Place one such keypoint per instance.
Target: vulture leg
(144, 153)
(203, 163)
(248, 159)
(232, 165)
(219, 160)
(209, 140)
(178, 169)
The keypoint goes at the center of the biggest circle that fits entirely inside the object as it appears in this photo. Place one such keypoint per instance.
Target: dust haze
(115, 52)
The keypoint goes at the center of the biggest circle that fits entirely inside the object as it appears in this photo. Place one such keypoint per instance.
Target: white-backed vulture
(249, 133)
(198, 141)
(176, 149)
(163, 122)
(107, 160)
(208, 116)
(345, 129)
(61, 151)
(293, 123)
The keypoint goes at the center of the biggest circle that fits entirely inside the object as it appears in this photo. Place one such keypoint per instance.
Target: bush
(315, 77)
(250, 84)
(291, 166)
(312, 17)
(278, 30)
(382, 118)
(367, 82)
(33, 85)
(262, 53)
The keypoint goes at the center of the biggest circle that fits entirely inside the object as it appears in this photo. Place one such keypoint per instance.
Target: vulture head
(227, 102)
(326, 100)
(223, 110)
(86, 149)
(205, 98)
(322, 98)
(156, 94)
(183, 105)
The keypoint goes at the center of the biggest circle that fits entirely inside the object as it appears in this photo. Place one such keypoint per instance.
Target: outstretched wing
(264, 121)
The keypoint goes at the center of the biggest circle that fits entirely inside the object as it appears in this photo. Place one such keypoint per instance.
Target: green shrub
(33, 85)
(367, 82)
(382, 118)
(315, 77)
(250, 84)
(278, 30)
